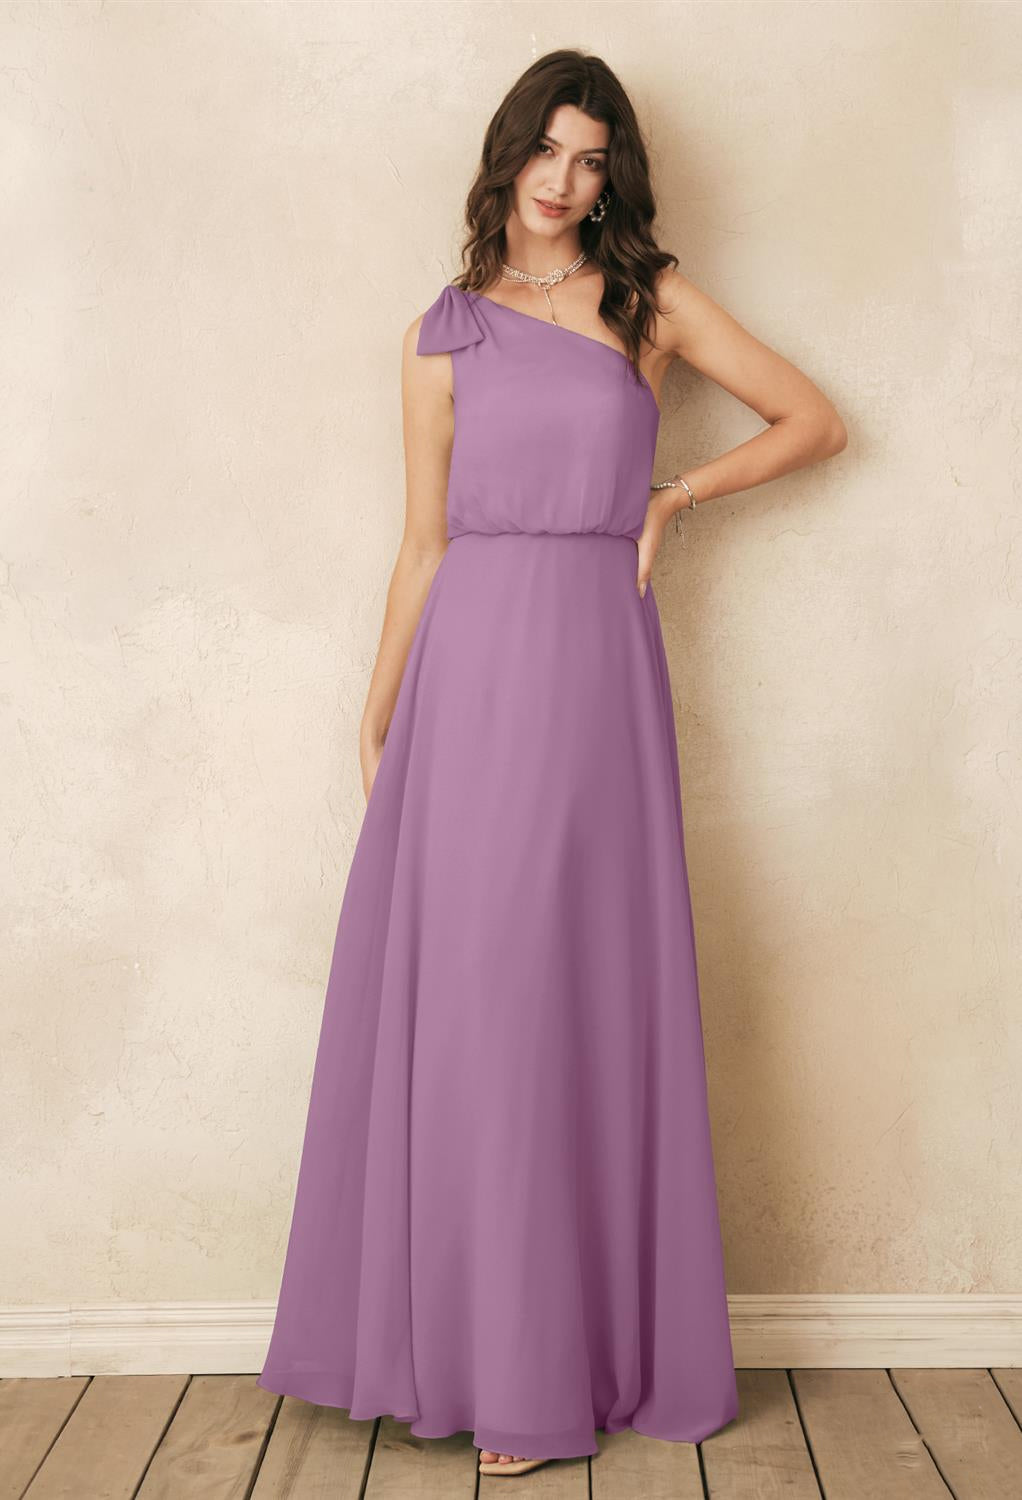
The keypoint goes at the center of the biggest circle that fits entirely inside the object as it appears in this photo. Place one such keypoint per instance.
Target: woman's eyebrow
(590, 152)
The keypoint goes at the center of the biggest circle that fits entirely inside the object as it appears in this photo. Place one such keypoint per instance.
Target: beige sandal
(519, 1466)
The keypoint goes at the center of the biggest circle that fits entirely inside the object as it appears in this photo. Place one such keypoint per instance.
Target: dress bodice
(552, 430)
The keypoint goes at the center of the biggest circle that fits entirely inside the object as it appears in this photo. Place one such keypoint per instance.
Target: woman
(506, 1217)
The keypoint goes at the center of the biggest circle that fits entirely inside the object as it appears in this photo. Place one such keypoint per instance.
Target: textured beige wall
(219, 218)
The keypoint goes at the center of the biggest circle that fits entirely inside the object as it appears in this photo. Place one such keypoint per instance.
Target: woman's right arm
(427, 406)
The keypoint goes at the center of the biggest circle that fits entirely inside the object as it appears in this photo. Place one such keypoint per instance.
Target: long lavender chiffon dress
(506, 1216)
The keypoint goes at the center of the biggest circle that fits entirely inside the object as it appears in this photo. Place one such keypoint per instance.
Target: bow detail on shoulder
(450, 323)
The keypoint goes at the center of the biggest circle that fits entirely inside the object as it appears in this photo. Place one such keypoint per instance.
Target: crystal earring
(601, 204)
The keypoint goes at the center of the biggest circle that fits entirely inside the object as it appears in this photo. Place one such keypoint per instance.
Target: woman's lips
(553, 212)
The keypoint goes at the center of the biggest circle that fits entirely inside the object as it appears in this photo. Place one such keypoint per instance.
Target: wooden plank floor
(802, 1434)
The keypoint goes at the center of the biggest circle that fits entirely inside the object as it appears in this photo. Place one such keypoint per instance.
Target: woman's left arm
(804, 426)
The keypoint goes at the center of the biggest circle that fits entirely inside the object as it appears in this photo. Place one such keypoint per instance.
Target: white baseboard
(822, 1332)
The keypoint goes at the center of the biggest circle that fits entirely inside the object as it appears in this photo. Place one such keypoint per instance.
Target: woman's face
(568, 169)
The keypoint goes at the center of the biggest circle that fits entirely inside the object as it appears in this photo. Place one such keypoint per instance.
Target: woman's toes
(486, 1457)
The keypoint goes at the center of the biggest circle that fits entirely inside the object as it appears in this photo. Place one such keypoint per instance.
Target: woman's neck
(535, 254)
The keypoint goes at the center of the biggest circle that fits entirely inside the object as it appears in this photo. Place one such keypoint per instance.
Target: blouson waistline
(619, 536)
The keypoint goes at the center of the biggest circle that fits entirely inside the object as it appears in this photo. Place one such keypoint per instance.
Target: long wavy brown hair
(622, 244)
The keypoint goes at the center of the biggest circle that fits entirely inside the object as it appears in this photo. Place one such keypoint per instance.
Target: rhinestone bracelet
(666, 484)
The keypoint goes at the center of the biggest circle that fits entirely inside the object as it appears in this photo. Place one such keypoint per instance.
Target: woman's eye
(593, 161)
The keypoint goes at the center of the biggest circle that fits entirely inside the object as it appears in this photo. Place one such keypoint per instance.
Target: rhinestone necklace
(509, 273)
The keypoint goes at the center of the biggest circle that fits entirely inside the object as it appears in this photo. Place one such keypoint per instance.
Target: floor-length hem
(572, 1443)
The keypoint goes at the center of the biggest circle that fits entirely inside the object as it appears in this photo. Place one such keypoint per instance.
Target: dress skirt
(506, 1218)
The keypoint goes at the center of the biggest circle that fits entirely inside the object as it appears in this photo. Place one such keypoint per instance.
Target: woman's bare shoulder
(683, 307)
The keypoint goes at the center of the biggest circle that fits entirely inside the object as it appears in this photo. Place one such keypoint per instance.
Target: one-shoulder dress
(506, 1218)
